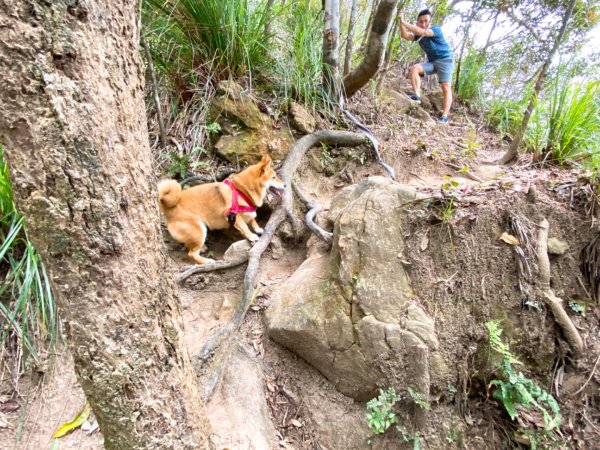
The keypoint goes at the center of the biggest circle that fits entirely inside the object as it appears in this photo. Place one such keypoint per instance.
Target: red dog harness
(231, 214)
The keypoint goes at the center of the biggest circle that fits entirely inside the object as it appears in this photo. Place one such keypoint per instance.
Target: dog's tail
(169, 192)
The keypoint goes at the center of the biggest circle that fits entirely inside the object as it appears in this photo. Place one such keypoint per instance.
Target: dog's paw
(259, 230)
(253, 238)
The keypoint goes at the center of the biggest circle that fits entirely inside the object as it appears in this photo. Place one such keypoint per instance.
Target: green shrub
(574, 121)
(221, 38)
(515, 389)
(27, 309)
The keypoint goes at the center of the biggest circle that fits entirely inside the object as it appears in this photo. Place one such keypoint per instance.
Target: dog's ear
(265, 162)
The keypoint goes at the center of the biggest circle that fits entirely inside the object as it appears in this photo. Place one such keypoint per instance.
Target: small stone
(236, 250)
(557, 247)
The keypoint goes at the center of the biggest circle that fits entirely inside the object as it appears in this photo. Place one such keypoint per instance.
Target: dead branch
(560, 316)
(159, 116)
(188, 271)
(467, 173)
(314, 208)
(220, 344)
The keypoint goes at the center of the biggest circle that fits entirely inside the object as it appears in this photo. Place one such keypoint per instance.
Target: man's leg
(415, 74)
(447, 91)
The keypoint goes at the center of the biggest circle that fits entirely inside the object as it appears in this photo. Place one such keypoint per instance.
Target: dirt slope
(456, 263)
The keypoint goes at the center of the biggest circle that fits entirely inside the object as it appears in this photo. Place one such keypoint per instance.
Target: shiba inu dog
(192, 212)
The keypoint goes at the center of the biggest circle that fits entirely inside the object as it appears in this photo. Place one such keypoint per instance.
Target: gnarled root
(220, 344)
(314, 208)
(560, 316)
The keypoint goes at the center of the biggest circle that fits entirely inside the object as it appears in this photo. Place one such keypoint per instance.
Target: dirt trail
(300, 402)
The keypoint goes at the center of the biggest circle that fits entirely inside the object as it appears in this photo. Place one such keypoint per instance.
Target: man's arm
(416, 30)
(403, 31)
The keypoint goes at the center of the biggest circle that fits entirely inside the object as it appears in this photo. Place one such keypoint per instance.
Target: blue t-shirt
(436, 46)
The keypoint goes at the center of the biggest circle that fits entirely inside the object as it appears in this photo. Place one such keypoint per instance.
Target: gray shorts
(442, 67)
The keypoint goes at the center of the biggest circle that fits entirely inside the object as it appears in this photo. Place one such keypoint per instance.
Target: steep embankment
(401, 298)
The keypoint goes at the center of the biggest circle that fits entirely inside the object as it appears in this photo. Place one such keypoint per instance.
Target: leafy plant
(228, 37)
(299, 67)
(573, 122)
(472, 77)
(381, 415)
(419, 399)
(380, 411)
(515, 388)
(472, 145)
(27, 309)
(576, 307)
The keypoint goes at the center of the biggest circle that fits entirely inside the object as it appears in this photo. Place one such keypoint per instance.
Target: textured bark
(513, 150)
(378, 36)
(350, 37)
(331, 47)
(74, 127)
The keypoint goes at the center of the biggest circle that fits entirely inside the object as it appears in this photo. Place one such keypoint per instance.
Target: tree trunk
(388, 54)
(268, 21)
(513, 150)
(378, 36)
(74, 125)
(374, 6)
(473, 13)
(350, 37)
(331, 44)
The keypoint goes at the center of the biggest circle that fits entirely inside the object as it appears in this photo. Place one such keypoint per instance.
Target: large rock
(435, 100)
(247, 133)
(239, 415)
(301, 119)
(352, 313)
(401, 104)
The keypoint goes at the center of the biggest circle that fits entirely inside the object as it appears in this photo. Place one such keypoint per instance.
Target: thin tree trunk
(378, 36)
(268, 21)
(74, 126)
(473, 13)
(159, 116)
(374, 6)
(489, 38)
(513, 150)
(350, 37)
(331, 44)
(388, 54)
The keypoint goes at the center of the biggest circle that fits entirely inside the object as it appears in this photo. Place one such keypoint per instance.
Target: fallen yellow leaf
(75, 423)
(510, 239)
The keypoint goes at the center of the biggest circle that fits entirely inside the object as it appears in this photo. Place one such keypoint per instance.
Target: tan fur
(190, 212)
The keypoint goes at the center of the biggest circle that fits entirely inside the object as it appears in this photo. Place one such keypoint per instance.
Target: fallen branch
(560, 316)
(188, 271)
(314, 208)
(467, 173)
(589, 378)
(222, 339)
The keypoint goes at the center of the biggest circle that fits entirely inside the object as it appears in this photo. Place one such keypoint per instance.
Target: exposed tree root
(219, 176)
(310, 215)
(211, 267)
(221, 343)
(560, 316)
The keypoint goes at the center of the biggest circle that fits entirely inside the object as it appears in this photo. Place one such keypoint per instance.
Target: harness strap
(231, 214)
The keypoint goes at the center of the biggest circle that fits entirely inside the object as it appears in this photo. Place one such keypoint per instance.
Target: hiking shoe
(415, 98)
(443, 120)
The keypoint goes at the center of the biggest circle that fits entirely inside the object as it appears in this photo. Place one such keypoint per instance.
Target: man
(439, 55)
